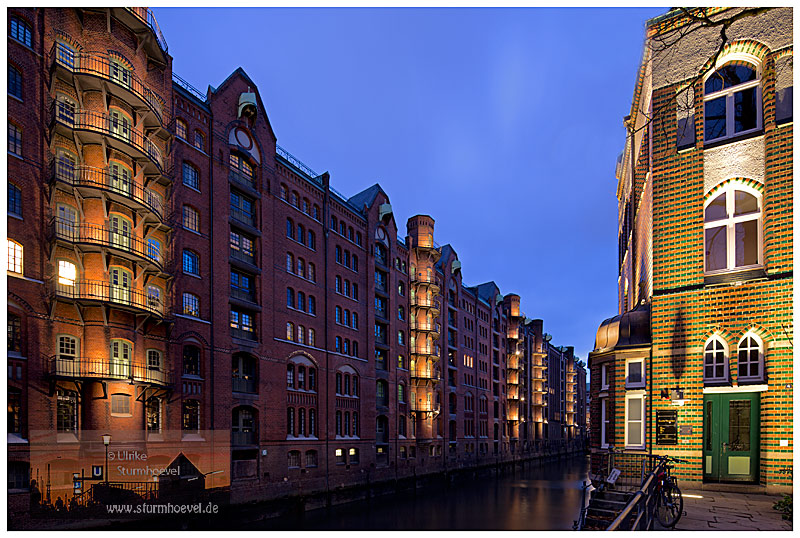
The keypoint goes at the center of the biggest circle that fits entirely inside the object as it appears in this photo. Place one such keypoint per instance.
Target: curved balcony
(434, 329)
(61, 367)
(88, 179)
(426, 280)
(424, 407)
(91, 127)
(120, 244)
(98, 292)
(432, 305)
(424, 352)
(424, 376)
(94, 69)
(143, 23)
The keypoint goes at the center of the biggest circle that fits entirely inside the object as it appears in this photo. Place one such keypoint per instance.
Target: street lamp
(106, 441)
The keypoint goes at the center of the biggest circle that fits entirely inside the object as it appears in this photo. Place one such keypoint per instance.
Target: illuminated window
(67, 273)
(21, 31)
(733, 229)
(14, 257)
(180, 129)
(191, 305)
(732, 101)
(199, 140)
(191, 176)
(191, 219)
(191, 263)
(715, 360)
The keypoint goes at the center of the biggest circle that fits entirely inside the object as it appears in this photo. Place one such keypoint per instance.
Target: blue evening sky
(502, 124)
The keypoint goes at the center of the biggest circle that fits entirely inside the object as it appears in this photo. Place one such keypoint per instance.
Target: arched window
(382, 393)
(289, 262)
(301, 334)
(284, 191)
(733, 229)
(301, 301)
(290, 330)
(290, 376)
(312, 242)
(293, 199)
(14, 82)
(301, 233)
(732, 101)
(339, 378)
(305, 206)
(715, 360)
(180, 128)
(312, 275)
(243, 426)
(21, 31)
(312, 305)
(289, 228)
(290, 297)
(315, 213)
(751, 358)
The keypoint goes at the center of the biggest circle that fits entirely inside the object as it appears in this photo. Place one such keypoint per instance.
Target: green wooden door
(731, 437)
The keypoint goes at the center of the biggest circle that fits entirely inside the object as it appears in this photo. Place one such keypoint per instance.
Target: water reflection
(540, 497)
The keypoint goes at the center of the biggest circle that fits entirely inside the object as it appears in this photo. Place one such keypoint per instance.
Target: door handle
(724, 447)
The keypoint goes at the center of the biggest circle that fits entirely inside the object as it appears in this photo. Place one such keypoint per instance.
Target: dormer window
(732, 101)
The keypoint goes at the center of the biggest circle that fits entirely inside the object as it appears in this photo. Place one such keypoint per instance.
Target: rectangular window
(635, 374)
(191, 263)
(14, 82)
(14, 139)
(191, 305)
(120, 404)
(191, 177)
(14, 200)
(634, 420)
(242, 209)
(180, 129)
(191, 219)
(14, 257)
(604, 377)
(67, 411)
(21, 31)
(199, 141)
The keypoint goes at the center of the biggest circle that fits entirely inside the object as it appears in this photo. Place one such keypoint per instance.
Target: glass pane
(634, 372)
(634, 433)
(715, 118)
(707, 425)
(733, 75)
(716, 248)
(634, 409)
(746, 243)
(744, 110)
(719, 372)
(714, 83)
(745, 203)
(717, 209)
(739, 426)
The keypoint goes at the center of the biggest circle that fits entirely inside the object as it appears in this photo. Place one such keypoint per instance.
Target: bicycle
(669, 500)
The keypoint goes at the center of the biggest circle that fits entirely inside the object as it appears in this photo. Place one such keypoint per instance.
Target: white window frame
(639, 384)
(728, 93)
(730, 223)
(604, 418)
(16, 258)
(726, 375)
(604, 376)
(761, 373)
(636, 395)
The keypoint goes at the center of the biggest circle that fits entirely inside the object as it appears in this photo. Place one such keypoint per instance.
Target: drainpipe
(211, 259)
(325, 234)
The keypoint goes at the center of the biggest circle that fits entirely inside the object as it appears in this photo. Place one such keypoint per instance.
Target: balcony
(243, 438)
(246, 384)
(425, 407)
(239, 255)
(424, 351)
(244, 294)
(427, 247)
(88, 179)
(118, 243)
(432, 304)
(93, 70)
(434, 329)
(244, 180)
(243, 217)
(426, 280)
(424, 376)
(98, 292)
(91, 127)
(144, 24)
(244, 334)
(61, 367)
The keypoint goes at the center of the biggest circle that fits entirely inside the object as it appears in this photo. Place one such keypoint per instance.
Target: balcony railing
(239, 254)
(243, 216)
(243, 334)
(243, 294)
(246, 384)
(242, 179)
(101, 178)
(115, 369)
(425, 303)
(100, 65)
(86, 120)
(424, 407)
(93, 234)
(146, 15)
(425, 327)
(104, 292)
(243, 438)
(425, 279)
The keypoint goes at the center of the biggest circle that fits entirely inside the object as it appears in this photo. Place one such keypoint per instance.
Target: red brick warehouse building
(698, 362)
(180, 282)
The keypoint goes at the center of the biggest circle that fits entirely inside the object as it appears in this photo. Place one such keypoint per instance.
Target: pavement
(717, 510)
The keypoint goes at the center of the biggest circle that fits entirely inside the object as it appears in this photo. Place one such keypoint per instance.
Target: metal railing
(243, 438)
(425, 327)
(98, 290)
(180, 81)
(93, 234)
(238, 254)
(424, 303)
(297, 163)
(243, 294)
(92, 368)
(102, 66)
(243, 334)
(101, 178)
(247, 384)
(242, 179)
(639, 513)
(424, 407)
(424, 279)
(243, 217)
(146, 15)
(88, 120)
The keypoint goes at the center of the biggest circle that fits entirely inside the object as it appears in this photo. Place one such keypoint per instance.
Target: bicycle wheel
(669, 505)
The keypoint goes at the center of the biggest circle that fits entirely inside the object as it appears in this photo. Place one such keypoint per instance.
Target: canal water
(542, 496)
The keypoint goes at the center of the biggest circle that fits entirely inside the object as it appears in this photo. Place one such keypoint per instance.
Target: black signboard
(667, 427)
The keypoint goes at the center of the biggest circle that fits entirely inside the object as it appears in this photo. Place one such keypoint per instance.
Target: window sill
(717, 142)
(15, 216)
(192, 437)
(734, 276)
